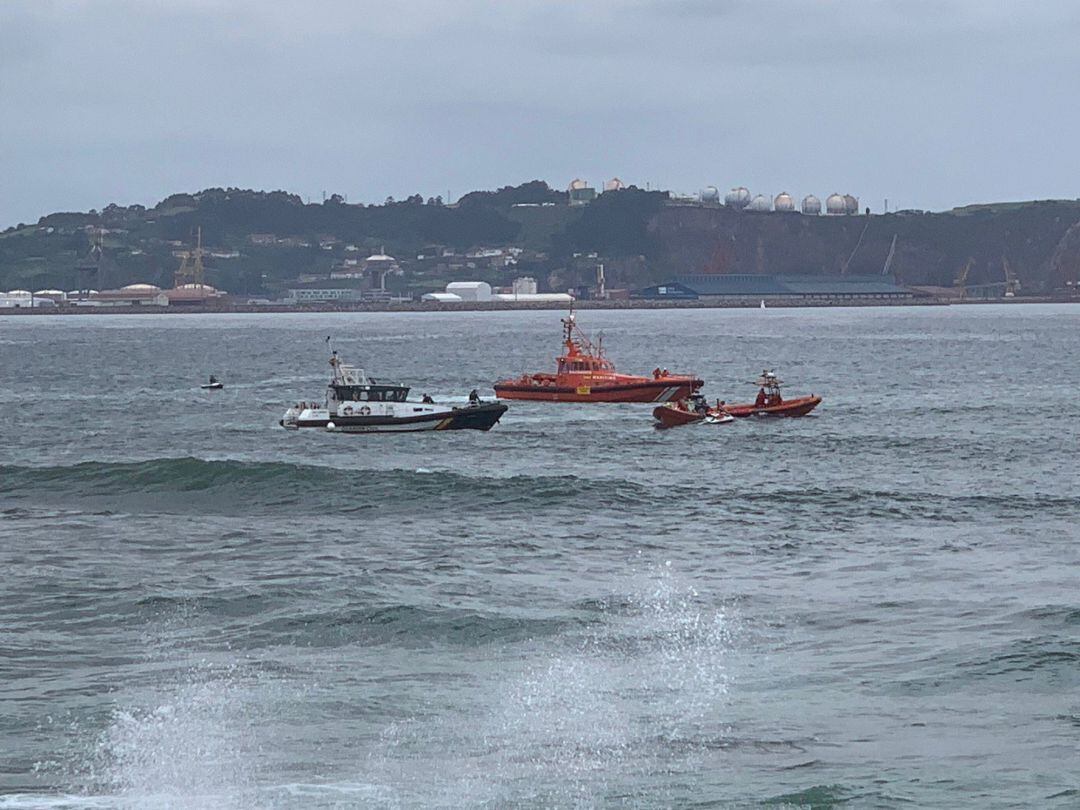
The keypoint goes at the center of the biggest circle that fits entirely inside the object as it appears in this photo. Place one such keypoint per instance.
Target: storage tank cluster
(740, 198)
(841, 204)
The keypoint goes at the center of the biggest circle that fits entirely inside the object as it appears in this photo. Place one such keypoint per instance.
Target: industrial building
(523, 291)
(764, 287)
(24, 299)
(672, 291)
(581, 193)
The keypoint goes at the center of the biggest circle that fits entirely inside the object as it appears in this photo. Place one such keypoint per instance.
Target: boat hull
(665, 389)
(667, 416)
(475, 417)
(800, 406)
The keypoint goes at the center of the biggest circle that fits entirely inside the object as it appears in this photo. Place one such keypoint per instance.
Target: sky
(924, 104)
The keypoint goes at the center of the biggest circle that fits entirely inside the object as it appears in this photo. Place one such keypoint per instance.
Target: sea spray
(573, 718)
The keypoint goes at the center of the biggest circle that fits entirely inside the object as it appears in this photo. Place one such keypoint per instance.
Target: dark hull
(480, 417)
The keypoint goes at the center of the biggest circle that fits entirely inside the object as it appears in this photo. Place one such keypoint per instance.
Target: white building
(470, 290)
(526, 285)
(477, 291)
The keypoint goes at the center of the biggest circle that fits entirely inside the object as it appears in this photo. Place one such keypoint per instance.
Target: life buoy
(365, 410)
(348, 410)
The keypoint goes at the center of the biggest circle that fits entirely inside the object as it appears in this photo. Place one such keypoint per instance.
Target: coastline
(502, 306)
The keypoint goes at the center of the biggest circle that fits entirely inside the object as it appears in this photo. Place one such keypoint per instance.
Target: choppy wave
(185, 485)
(196, 485)
(266, 622)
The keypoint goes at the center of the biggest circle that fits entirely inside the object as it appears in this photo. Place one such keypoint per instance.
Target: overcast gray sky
(928, 104)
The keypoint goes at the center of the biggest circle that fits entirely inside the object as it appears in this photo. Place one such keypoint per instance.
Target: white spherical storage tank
(834, 204)
(811, 205)
(760, 203)
(738, 197)
(784, 202)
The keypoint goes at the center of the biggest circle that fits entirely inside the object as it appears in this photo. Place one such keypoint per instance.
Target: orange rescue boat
(688, 411)
(584, 374)
(769, 402)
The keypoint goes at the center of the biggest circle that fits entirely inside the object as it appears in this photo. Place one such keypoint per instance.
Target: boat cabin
(351, 384)
(368, 393)
(582, 363)
(581, 357)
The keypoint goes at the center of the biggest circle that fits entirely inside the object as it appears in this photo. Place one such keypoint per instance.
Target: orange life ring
(365, 410)
(348, 410)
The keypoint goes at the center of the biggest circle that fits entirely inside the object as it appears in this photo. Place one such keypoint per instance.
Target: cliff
(931, 248)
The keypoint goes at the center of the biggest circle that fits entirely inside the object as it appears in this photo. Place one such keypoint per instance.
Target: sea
(875, 606)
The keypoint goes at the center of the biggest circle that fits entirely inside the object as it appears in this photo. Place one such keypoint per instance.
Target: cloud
(933, 104)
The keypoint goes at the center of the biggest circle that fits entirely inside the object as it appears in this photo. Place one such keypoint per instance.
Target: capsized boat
(769, 402)
(689, 411)
(585, 374)
(213, 385)
(356, 403)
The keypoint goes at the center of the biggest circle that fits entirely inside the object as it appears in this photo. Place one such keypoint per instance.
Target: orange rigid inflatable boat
(770, 403)
(689, 411)
(584, 374)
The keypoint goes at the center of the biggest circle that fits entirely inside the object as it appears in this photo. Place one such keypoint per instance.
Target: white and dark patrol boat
(356, 403)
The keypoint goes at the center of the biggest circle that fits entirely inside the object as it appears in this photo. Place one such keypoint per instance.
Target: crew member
(474, 397)
(427, 399)
(761, 400)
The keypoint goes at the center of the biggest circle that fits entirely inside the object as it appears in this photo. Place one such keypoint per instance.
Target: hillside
(260, 242)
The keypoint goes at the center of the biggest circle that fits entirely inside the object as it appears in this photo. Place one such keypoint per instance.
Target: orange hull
(584, 374)
(800, 406)
(669, 416)
(619, 388)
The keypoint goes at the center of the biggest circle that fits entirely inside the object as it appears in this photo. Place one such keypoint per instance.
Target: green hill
(260, 242)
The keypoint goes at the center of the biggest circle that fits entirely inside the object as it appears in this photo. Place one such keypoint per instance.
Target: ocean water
(877, 606)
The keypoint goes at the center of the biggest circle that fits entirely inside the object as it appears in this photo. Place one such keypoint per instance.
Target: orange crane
(961, 279)
(191, 266)
(1012, 283)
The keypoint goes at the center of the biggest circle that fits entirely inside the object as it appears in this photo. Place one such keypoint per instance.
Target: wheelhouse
(371, 392)
(351, 384)
(580, 363)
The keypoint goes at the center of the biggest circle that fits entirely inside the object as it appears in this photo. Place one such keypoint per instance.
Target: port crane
(191, 265)
(1008, 287)
(1012, 283)
(962, 277)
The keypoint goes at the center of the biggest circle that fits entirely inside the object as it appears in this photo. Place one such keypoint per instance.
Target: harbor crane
(191, 265)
